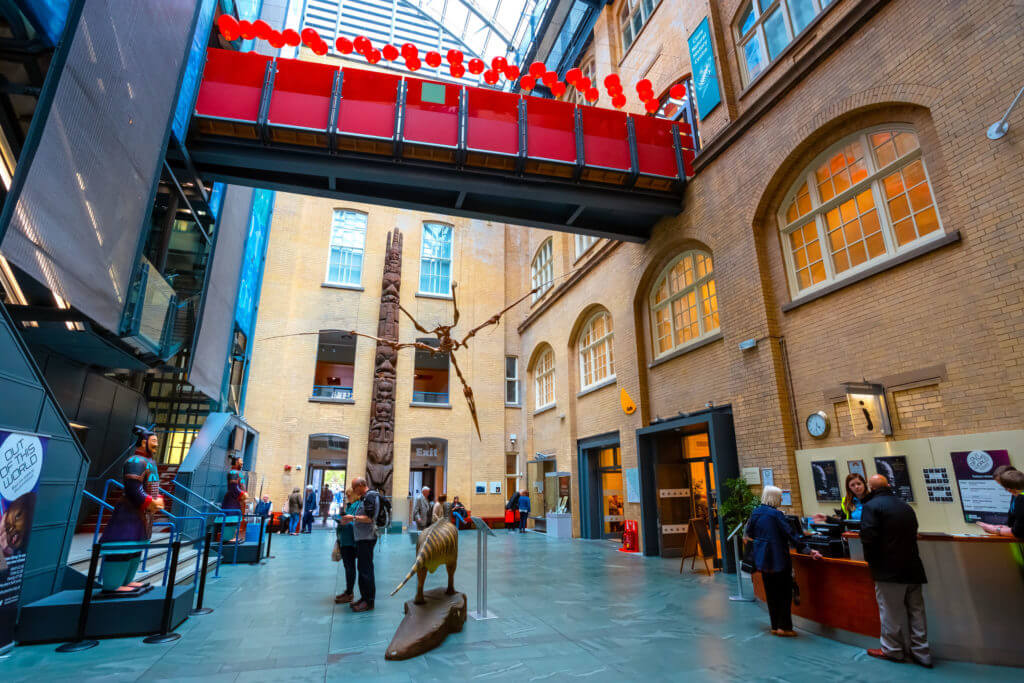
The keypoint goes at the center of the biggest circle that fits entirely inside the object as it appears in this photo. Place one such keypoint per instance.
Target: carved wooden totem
(381, 446)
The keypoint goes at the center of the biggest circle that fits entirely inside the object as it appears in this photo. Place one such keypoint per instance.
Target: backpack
(383, 507)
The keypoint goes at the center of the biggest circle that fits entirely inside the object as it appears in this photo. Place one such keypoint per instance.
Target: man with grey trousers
(888, 530)
(421, 509)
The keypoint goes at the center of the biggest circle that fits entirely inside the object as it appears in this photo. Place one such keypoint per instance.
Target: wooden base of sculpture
(426, 626)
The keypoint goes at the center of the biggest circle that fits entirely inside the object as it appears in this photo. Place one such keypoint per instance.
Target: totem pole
(381, 447)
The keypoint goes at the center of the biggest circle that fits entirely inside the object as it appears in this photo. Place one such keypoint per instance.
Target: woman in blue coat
(772, 537)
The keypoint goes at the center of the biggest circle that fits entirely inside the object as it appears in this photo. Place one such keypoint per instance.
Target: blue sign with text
(705, 74)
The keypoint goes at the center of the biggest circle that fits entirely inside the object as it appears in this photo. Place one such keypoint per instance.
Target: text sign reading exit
(705, 74)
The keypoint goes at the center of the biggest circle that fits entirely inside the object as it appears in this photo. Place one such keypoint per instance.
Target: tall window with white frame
(542, 271)
(597, 363)
(684, 303)
(632, 17)
(511, 381)
(584, 243)
(544, 380)
(587, 69)
(348, 240)
(765, 27)
(864, 200)
(436, 259)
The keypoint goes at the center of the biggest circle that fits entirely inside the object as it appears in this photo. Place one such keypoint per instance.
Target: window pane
(752, 55)
(807, 255)
(910, 203)
(510, 367)
(802, 11)
(855, 232)
(511, 392)
(776, 34)
(747, 22)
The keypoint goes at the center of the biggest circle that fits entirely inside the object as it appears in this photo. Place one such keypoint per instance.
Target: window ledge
(321, 399)
(444, 406)
(692, 346)
(544, 409)
(513, 405)
(600, 385)
(335, 285)
(897, 260)
(429, 295)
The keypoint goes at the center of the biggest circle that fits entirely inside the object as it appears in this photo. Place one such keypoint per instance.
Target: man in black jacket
(888, 529)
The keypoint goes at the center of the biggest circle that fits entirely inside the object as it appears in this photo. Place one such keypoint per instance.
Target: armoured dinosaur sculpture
(437, 545)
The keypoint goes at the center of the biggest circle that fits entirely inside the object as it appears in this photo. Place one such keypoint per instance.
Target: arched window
(684, 302)
(596, 361)
(544, 380)
(765, 27)
(866, 198)
(542, 269)
(684, 109)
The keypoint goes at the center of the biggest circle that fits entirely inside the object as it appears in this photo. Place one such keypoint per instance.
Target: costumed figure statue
(131, 523)
(234, 500)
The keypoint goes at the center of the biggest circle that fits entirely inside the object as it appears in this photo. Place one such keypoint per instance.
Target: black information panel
(826, 480)
(894, 468)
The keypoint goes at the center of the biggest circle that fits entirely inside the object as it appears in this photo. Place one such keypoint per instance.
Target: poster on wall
(705, 72)
(857, 467)
(21, 461)
(894, 468)
(632, 484)
(826, 480)
(981, 497)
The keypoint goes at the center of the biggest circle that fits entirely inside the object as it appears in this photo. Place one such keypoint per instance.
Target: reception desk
(974, 597)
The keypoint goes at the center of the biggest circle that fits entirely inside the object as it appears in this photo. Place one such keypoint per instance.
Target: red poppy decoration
(611, 80)
(454, 57)
(320, 48)
(261, 29)
(498, 64)
(527, 82)
(361, 44)
(246, 30)
(373, 56)
(573, 75)
(433, 59)
(549, 78)
(276, 39)
(537, 69)
(643, 85)
(390, 52)
(511, 72)
(558, 88)
(652, 105)
(592, 94)
(476, 66)
(413, 63)
(309, 37)
(344, 46)
(583, 84)
(457, 70)
(409, 51)
(619, 101)
(490, 77)
(677, 91)
(228, 26)
(614, 90)
(291, 37)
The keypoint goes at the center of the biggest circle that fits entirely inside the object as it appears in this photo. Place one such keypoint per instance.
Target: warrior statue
(234, 500)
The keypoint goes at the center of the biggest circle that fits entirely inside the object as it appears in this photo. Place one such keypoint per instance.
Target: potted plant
(737, 504)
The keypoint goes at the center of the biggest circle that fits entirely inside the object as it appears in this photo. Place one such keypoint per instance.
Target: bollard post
(166, 635)
(259, 542)
(80, 643)
(202, 578)
(483, 531)
(739, 597)
(270, 537)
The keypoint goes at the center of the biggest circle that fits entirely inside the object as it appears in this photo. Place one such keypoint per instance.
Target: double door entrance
(602, 489)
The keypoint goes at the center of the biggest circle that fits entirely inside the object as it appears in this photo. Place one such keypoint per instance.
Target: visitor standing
(512, 512)
(421, 509)
(888, 530)
(326, 495)
(364, 531)
(294, 511)
(309, 510)
(264, 507)
(347, 545)
(524, 510)
(771, 535)
(1013, 481)
(437, 511)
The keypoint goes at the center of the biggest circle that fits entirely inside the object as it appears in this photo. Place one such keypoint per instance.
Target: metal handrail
(220, 541)
(213, 505)
(103, 503)
(202, 528)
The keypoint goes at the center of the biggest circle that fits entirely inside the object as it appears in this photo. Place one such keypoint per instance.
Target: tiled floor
(567, 610)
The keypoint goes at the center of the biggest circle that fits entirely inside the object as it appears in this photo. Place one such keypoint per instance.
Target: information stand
(697, 542)
(735, 538)
(483, 531)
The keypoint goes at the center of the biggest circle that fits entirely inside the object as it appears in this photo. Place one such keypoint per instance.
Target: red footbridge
(384, 138)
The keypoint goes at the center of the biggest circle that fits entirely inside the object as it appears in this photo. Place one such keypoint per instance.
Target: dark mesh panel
(213, 342)
(77, 222)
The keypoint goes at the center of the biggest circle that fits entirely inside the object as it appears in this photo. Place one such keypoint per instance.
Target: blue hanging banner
(21, 461)
(705, 73)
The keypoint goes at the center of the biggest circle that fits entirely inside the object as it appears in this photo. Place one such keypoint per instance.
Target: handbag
(336, 553)
(747, 563)
(510, 517)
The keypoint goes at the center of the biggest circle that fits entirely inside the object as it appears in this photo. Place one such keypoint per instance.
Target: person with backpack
(364, 531)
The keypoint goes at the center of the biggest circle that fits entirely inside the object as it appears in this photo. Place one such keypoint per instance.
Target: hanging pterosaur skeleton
(448, 345)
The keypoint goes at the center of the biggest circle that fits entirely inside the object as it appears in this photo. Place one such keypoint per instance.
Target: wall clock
(818, 425)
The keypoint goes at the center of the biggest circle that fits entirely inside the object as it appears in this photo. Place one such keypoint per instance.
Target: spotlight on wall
(999, 128)
(512, 441)
(748, 344)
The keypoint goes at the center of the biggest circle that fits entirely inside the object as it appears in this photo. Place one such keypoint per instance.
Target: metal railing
(218, 511)
(433, 397)
(332, 391)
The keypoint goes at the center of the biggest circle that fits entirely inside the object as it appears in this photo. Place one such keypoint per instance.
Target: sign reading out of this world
(981, 496)
(705, 74)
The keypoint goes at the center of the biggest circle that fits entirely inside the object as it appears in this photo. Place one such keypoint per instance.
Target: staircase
(114, 493)
(79, 561)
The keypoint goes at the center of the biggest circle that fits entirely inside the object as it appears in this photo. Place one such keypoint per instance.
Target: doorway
(602, 492)
(327, 470)
(428, 466)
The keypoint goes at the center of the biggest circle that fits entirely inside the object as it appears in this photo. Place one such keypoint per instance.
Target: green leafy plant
(737, 504)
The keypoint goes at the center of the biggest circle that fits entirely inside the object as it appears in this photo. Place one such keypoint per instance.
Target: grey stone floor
(567, 610)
